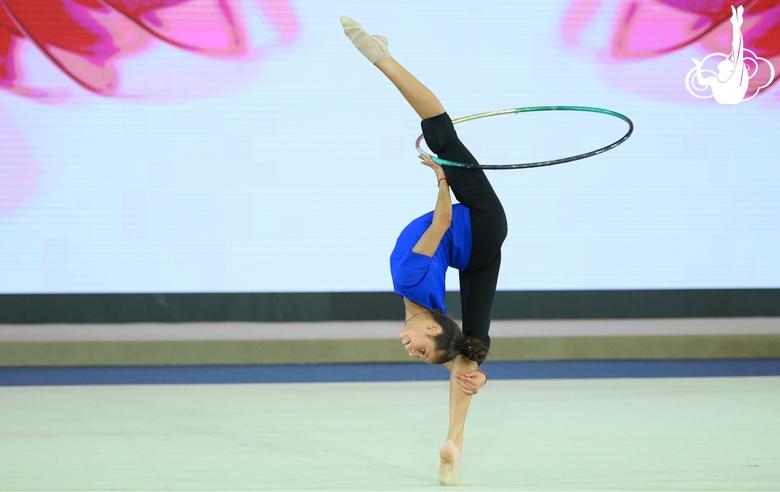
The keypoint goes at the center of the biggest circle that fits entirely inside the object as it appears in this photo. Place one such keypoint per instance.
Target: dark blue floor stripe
(34, 376)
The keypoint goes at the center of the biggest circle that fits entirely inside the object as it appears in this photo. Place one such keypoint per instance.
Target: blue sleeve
(419, 279)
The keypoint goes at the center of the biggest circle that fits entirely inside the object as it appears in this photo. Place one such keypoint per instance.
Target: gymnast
(731, 84)
(466, 236)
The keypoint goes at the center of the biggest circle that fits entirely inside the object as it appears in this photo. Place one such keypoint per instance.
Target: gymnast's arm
(442, 214)
(699, 79)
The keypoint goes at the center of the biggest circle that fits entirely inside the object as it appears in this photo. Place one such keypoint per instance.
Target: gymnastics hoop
(527, 165)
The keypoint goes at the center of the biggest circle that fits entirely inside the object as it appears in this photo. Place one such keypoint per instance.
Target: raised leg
(422, 100)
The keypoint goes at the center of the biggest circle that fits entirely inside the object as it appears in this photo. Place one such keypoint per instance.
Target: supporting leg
(450, 453)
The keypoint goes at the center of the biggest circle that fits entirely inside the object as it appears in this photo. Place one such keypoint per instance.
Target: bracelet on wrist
(438, 183)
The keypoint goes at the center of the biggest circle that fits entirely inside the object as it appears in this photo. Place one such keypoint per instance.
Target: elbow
(443, 220)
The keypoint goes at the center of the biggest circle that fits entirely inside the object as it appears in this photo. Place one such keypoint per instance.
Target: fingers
(466, 390)
(470, 383)
(427, 160)
(467, 383)
(465, 377)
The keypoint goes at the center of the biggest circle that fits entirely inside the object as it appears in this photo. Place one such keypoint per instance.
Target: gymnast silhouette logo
(731, 82)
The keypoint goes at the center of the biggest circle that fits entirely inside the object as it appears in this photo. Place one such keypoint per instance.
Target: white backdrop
(293, 168)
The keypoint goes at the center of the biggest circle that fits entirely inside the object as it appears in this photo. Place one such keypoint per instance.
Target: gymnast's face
(417, 340)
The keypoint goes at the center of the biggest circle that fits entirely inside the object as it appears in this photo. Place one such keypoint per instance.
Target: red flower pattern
(86, 38)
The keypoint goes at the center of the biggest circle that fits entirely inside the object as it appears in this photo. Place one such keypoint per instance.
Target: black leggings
(488, 225)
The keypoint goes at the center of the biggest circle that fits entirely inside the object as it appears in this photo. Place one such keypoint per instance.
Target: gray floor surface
(605, 434)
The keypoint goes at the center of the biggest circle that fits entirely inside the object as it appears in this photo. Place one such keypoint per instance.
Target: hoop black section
(526, 165)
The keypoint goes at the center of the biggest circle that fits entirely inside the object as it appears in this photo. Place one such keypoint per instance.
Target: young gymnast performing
(466, 236)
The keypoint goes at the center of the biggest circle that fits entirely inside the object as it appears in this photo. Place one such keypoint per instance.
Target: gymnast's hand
(426, 160)
(471, 382)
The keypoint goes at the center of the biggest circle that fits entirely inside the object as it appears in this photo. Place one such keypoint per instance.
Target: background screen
(245, 145)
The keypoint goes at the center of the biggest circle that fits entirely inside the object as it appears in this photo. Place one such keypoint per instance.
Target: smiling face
(417, 339)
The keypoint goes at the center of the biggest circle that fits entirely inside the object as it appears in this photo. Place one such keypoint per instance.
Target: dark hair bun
(474, 349)
(450, 342)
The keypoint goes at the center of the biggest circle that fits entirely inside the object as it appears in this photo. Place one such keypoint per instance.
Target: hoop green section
(531, 109)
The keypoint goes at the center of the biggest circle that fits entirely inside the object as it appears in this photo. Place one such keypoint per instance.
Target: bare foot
(450, 464)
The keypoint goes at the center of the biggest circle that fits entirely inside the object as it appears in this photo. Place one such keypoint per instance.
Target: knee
(437, 131)
(434, 140)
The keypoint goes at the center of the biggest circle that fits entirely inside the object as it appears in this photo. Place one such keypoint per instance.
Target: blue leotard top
(420, 278)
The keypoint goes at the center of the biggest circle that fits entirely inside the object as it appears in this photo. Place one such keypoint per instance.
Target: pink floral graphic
(645, 29)
(85, 39)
